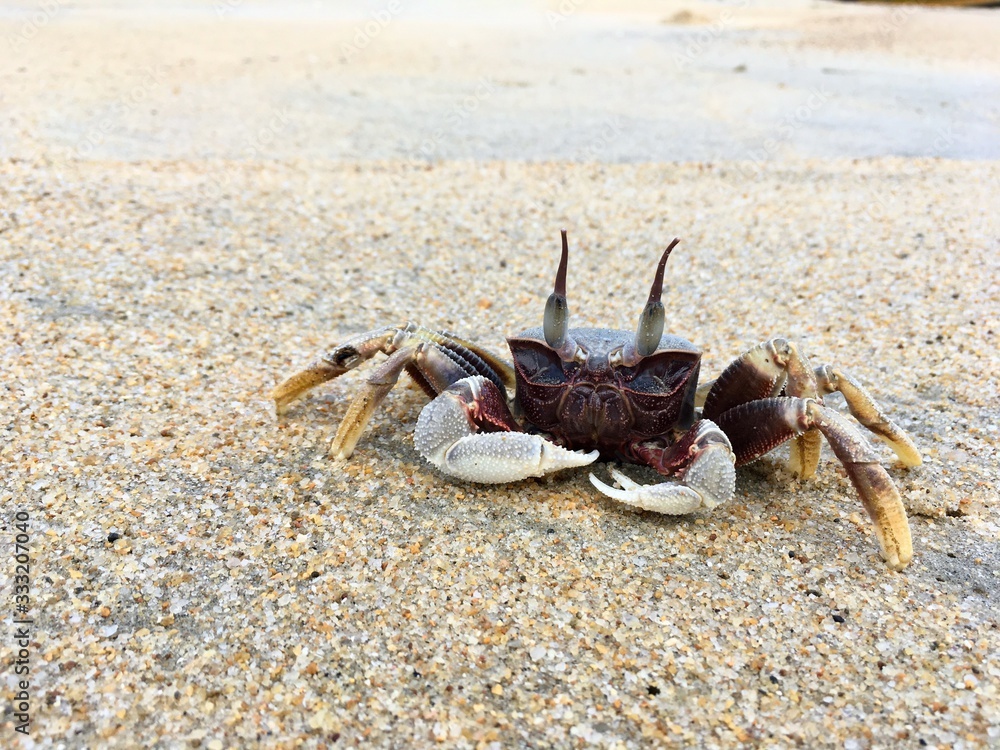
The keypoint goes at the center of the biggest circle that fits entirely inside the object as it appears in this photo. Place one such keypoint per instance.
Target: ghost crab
(584, 394)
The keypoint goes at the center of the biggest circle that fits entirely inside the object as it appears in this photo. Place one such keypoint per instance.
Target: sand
(202, 575)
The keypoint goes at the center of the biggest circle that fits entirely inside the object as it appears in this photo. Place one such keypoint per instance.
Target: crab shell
(597, 399)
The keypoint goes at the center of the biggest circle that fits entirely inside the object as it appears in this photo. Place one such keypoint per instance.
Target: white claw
(445, 436)
(709, 480)
(496, 457)
(671, 499)
(623, 481)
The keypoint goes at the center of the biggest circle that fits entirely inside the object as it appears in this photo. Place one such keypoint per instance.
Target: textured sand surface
(203, 576)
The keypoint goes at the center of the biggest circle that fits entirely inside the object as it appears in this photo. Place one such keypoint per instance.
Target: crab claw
(497, 457)
(671, 499)
(448, 434)
(707, 470)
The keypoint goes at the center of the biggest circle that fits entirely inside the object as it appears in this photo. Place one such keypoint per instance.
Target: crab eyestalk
(650, 330)
(556, 322)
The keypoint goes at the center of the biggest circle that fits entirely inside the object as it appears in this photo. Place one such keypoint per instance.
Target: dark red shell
(593, 404)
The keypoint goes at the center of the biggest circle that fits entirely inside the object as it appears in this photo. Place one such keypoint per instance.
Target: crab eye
(556, 322)
(647, 335)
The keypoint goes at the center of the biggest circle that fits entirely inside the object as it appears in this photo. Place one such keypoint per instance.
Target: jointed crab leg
(773, 367)
(468, 433)
(759, 426)
(702, 458)
(374, 390)
(776, 367)
(434, 360)
(760, 372)
(867, 411)
(333, 364)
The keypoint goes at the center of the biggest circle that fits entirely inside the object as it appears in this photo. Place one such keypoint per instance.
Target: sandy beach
(195, 202)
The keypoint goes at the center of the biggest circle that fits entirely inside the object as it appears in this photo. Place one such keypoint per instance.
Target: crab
(583, 394)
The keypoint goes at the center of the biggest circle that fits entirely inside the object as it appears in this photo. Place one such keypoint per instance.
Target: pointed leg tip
(902, 555)
(904, 448)
(897, 562)
(338, 454)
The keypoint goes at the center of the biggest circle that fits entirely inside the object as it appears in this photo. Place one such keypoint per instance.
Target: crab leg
(468, 433)
(867, 411)
(704, 461)
(374, 390)
(776, 367)
(759, 426)
(769, 369)
(333, 364)
(434, 360)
